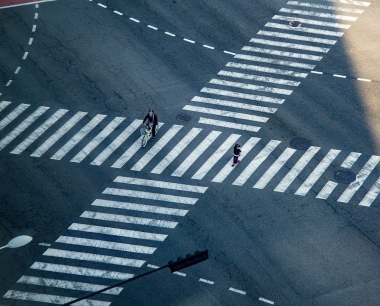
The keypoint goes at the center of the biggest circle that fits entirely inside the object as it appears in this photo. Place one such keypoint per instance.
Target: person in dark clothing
(237, 153)
(152, 119)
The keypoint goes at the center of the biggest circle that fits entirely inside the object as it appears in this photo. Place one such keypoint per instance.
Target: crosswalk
(263, 74)
(178, 151)
(108, 243)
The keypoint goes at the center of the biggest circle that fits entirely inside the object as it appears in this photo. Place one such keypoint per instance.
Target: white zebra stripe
(150, 196)
(256, 162)
(160, 184)
(227, 169)
(297, 168)
(39, 131)
(230, 125)
(350, 160)
(288, 45)
(318, 14)
(140, 207)
(128, 219)
(12, 115)
(274, 168)
(251, 87)
(242, 95)
(50, 298)
(116, 232)
(283, 53)
(263, 109)
(297, 37)
(203, 146)
(267, 70)
(22, 126)
(273, 61)
(64, 284)
(102, 244)
(58, 134)
(325, 7)
(213, 159)
(116, 143)
(326, 190)
(82, 271)
(352, 2)
(156, 148)
(317, 172)
(360, 178)
(371, 194)
(97, 140)
(178, 149)
(312, 21)
(218, 112)
(303, 29)
(4, 104)
(77, 137)
(258, 78)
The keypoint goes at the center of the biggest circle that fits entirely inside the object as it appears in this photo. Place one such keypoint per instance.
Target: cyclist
(152, 121)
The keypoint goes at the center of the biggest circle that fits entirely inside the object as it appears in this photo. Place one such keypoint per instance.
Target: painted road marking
(283, 53)
(230, 125)
(257, 78)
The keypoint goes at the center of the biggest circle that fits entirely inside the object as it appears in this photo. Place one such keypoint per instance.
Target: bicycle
(146, 133)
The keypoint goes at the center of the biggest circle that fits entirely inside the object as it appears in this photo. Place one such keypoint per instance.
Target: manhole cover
(300, 144)
(295, 24)
(183, 117)
(345, 177)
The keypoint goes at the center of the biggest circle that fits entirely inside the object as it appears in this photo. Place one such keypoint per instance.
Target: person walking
(237, 153)
(152, 121)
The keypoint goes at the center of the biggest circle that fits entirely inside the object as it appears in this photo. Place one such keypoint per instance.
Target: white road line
(267, 70)
(135, 20)
(116, 143)
(364, 80)
(102, 5)
(102, 244)
(352, 2)
(170, 34)
(152, 266)
(140, 207)
(127, 155)
(35, 15)
(360, 178)
(78, 137)
(297, 168)
(297, 37)
(230, 125)
(274, 168)
(179, 273)
(227, 169)
(30, 41)
(317, 172)
(252, 87)
(4, 104)
(9, 83)
(256, 162)
(350, 160)
(190, 41)
(44, 244)
(289, 45)
(17, 70)
(150, 196)
(283, 53)
(303, 29)
(339, 76)
(128, 219)
(237, 291)
(152, 27)
(44, 266)
(25, 55)
(119, 13)
(116, 232)
(242, 95)
(160, 184)
(371, 194)
(318, 14)
(228, 52)
(257, 108)
(58, 134)
(161, 143)
(206, 281)
(316, 72)
(266, 301)
(49, 298)
(97, 140)
(22, 126)
(216, 156)
(326, 190)
(12, 115)
(223, 113)
(178, 149)
(209, 47)
(63, 284)
(258, 78)
(203, 146)
(39, 131)
(325, 7)
(273, 61)
(312, 21)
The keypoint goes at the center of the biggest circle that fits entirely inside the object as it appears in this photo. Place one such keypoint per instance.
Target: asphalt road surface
(296, 83)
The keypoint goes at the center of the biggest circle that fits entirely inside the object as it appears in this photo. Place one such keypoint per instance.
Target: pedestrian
(152, 119)
(237, 153)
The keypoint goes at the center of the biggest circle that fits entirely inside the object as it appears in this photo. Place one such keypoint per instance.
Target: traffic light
(189, 260)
